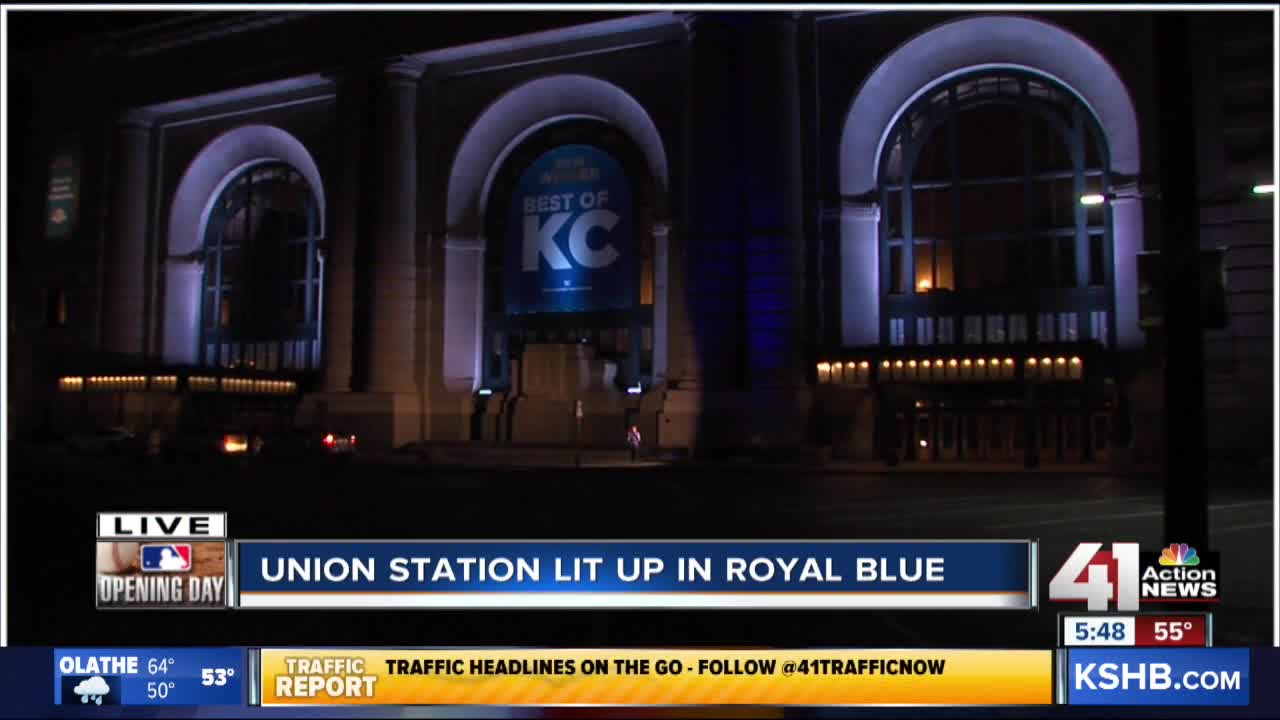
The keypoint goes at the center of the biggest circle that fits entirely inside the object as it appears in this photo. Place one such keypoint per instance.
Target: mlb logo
(166, 558)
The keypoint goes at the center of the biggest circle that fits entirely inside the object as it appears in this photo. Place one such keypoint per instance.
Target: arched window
(984, 238)
(262, 275)
(569, 256)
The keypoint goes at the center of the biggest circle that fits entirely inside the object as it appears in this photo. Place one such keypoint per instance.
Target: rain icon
(92, 689)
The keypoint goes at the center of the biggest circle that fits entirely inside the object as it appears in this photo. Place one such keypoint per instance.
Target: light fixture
(635, 389)
(924, 443)
(864, 365)
(484, 391)
(1264, 189)
(925, 284)
(1089, 199)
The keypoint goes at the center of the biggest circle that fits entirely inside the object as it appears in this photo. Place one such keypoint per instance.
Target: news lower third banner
(654, 677)
(637, 574)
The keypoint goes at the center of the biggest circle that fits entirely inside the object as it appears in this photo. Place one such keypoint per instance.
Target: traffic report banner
(654, 677)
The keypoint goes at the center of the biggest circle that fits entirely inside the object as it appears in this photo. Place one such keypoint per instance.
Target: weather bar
(1135, 630)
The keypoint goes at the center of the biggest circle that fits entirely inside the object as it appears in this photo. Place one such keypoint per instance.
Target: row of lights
(859, 372)
(77, 383)
(1059, 368)
(259, 387)
(197, 383)
(851, 373)
(950, 369)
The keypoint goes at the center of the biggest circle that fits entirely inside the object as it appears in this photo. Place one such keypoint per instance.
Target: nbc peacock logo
(1179, 555)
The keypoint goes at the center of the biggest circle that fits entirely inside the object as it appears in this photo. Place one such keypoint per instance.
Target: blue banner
(571, 235)
(149, 676)
(1165, 676)
(932, 574)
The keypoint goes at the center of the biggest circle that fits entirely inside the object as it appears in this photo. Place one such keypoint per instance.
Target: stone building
(857, 229)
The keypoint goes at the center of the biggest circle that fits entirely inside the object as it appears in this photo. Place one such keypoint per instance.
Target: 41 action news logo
(1126, 576)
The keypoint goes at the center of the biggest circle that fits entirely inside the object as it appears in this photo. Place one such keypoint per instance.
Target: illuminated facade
(855, 230)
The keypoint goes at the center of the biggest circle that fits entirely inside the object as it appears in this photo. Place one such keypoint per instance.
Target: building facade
(855, 230)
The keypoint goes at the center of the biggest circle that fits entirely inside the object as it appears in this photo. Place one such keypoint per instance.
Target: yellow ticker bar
(655, 677)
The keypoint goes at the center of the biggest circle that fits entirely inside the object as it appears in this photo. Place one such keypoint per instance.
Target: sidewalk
(507, 456)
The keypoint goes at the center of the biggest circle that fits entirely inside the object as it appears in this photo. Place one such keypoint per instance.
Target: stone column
(464, 311)
(124, 316)
(1127, 232)
(775, 241)
(661, 302)
(340, 271)
(859, 273)
(393, 290)
(184, 280)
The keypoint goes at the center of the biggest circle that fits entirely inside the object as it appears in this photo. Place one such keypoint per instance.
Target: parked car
(212, 443)
(102, 441)
(310, 443)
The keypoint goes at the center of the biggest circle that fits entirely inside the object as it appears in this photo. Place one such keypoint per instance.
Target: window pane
(995, 328)
(210, 303)
(973, 329)
(232, 265)
(924, 331)
(1092, 152)
(226, 314)
(985, 263)
(1042, 262)
(989, 142)
(934, 161)
(1097, 270)
(893, 159)
(946, 330)
(1044, 327)
(944, 275)
(893, 213)
(930, 213)
(1053, 203)
(1017, 328)
(1067, 327)
(1016, 252)
(1048, 147)
(1067, 261)
(924, 267)
(895, 269)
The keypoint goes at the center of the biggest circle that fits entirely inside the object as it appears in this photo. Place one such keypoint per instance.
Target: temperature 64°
(159, 666)
(216, 676)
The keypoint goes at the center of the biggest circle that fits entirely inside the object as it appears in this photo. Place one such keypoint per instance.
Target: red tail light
(328, 440)
(353, 439)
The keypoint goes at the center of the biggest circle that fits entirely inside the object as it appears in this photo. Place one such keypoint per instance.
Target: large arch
(217, 164)
(935, 56)
(495, 133)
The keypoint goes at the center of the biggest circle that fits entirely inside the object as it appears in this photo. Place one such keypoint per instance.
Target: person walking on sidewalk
(633, 441)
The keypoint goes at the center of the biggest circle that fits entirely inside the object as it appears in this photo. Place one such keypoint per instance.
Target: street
(53, 501)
